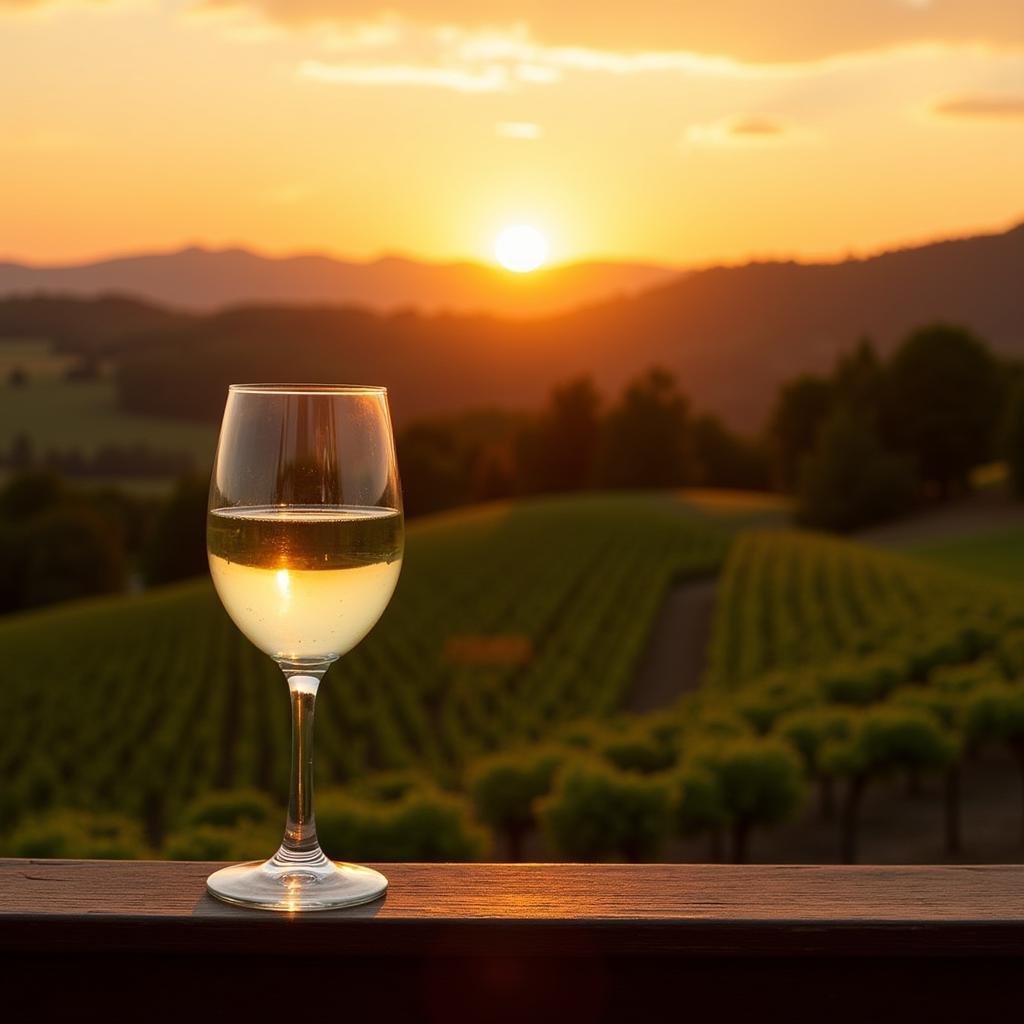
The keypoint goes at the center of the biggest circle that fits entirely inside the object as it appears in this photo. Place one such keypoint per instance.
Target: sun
(521, 248)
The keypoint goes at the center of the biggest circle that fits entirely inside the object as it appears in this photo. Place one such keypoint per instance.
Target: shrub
(424, 826)
(760, 781)
(70, 833)
(597, 813)
(504, 790)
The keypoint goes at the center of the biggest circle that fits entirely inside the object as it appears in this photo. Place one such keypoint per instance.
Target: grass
(61, 414)
(997, 553)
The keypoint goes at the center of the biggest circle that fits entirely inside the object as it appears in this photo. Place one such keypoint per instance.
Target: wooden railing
(489, 942)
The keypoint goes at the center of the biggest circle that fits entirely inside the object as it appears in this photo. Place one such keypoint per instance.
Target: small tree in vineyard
(883, 741)
(995, 714)
(504, 790)
(760, 781)
(596, 813)
(809, 731)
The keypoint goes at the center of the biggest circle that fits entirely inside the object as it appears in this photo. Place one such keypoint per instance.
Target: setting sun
(521, 248)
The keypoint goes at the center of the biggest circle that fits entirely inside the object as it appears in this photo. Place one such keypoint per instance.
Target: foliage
(1011, 439)
(596, 812)
(760, 782)
(177, 545)
(423, 826)
(943, 402)
(504, 790)
(71, 833)
(790, 600)
(849, 480)
(579, 579)
(801, 407)
(647, 439)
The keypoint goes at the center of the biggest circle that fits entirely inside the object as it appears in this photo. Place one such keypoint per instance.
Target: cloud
(493, 78)
(756, 126)
(982, 106)
(747, 30)
(742, 129)
(518, 130)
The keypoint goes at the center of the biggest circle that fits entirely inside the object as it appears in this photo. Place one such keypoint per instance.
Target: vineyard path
(674, 661)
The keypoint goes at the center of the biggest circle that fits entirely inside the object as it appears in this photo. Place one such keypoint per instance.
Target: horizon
(235, 246)
(660, 134)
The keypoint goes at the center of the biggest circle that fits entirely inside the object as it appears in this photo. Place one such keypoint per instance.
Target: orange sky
(667, 130)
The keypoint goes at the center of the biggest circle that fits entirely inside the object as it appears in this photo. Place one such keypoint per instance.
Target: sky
(681, 132)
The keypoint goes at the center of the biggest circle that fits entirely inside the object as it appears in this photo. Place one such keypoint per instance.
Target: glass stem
(300, 845)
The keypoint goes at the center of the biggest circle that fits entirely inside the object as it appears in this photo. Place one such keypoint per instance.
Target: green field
(996, 553)
(56, 413)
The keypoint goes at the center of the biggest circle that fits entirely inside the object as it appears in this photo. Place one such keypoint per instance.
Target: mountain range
(202, 280)
(731, 335)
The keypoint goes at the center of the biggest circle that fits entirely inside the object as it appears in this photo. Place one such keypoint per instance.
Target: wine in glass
(305, 538)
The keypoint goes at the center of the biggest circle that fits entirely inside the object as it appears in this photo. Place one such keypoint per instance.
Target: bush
(598, 813)
(505, 788)
(637, 752)
(231, 808)
(425, 826)
(209, 842)
(760, 781)
(68, 833)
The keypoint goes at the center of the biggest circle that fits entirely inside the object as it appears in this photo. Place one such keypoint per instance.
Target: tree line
(648, 437)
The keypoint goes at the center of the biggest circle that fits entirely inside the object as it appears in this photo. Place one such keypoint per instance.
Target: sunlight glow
(521, 248)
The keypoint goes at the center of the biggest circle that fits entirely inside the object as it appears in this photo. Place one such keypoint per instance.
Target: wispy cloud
(741, 129)
(518, 130)
(797, 30)
(982, 106)
(492, 78)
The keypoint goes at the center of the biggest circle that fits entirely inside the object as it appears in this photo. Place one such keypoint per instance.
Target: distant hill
(730, 334)
(206, 279)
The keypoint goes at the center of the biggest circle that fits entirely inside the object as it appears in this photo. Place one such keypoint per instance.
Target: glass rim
(309, 389)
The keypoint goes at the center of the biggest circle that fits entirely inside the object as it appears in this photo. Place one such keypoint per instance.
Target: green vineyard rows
(789, 599)
(139, 705)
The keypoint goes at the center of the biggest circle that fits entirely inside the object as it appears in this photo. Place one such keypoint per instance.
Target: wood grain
(448, 910)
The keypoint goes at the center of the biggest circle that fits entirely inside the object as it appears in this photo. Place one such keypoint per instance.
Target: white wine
(305, 582)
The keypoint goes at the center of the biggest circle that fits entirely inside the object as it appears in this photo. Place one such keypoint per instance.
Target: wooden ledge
(560, 910)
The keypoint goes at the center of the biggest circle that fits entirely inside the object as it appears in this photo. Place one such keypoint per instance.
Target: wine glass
(305, 538)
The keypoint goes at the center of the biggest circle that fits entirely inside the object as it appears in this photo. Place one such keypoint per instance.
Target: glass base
(278, 885)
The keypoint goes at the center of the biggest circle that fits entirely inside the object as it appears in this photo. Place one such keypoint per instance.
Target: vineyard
(789, 599)
(483, 714)
(141, 705)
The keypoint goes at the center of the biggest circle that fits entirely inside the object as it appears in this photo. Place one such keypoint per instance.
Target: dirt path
(676, 653)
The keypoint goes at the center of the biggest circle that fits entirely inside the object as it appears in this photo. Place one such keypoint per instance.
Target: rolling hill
(200, 279)
(731, 335)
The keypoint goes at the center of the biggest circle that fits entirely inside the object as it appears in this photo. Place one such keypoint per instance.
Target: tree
(850, 480)
(504, 790)
(995, 714)
(699, 806)
(176, 549)
(30, 494)
(558, 451)
(760, 781)
(883, 740)
(801, 408)
(943, 402)
(1012, 438)
(646, 436)
(596, 812)
(725, 459)
(809, 731)
(70, 553)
